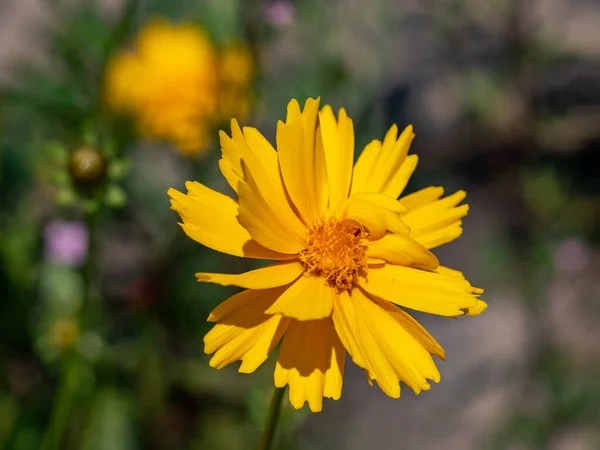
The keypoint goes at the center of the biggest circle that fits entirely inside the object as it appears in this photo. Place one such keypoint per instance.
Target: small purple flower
(66, 242)
(280, 13)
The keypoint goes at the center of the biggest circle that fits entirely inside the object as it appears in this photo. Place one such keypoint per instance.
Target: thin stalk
(68, 389)
(268, 436)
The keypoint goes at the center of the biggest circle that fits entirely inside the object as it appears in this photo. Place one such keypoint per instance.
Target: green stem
(60, 413)
(68, 389)
(268, 436)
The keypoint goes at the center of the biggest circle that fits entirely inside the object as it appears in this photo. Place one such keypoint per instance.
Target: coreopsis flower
(350, 258)
(170, 83)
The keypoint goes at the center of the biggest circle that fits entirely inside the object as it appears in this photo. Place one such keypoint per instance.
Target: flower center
(334, 251)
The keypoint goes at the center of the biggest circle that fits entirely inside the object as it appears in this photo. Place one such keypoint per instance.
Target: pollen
(334, 251)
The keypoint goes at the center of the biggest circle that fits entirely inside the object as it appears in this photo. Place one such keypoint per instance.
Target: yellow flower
(349, 256)
(168, 83)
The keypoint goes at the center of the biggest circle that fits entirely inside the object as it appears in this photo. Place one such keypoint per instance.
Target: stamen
(334, 252)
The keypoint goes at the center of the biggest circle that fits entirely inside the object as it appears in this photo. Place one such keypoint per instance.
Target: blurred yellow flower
(170, 83)
(349, 256)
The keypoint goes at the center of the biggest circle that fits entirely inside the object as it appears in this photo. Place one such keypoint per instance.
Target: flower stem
(268, 436)
(60, 412)
(68, 389)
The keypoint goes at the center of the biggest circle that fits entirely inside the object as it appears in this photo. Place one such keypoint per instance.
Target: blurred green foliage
(121, 337)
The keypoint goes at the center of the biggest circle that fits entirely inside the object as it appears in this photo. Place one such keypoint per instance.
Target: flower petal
(441, 236)
(261, 158)
(344, 319)
(438, 222)
(275, 275)
(422, 197)
(309, 298)
(362, 168)
(264, 222)
(210, 218)
(403, 251)
(311, 362)
(234, 308)
(453, 273)
(378, 213)
(414, 328)
(420, 290)
(384, 167)
(477, 309)
(410, 361)
(244, 331)
(338, 144)
(251, 167)
(302, 162)
(400, 179)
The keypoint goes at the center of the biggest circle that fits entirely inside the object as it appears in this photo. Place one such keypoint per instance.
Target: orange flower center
(334, 252)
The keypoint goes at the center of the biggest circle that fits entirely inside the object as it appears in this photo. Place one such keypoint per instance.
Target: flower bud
(88, 167)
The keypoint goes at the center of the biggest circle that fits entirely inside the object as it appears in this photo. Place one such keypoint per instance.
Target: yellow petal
(435, 238)
(453, 273)
(309, 298)
(236, 307)
(384, 167)
(362, 168)
(264, 222)
(477, 309)
(358, 340)
(302, 162)
(377, 366)
(403, 251)
(278, 274)
(437, 222)
(245, 332)
(420, 290)
(263, 343)
(344, 319)
(338, 144)
(250, 160)
(311, 362)
(400, 179)
(422, 197)
(411, 362)
(376, 212)
(414, 328)
(261, 158)
(210, 218)
(378, 200)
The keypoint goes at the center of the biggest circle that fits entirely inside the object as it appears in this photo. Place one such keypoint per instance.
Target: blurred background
(106, 104)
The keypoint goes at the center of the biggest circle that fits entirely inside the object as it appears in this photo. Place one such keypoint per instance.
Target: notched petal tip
(477, 309)
(172, 191)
